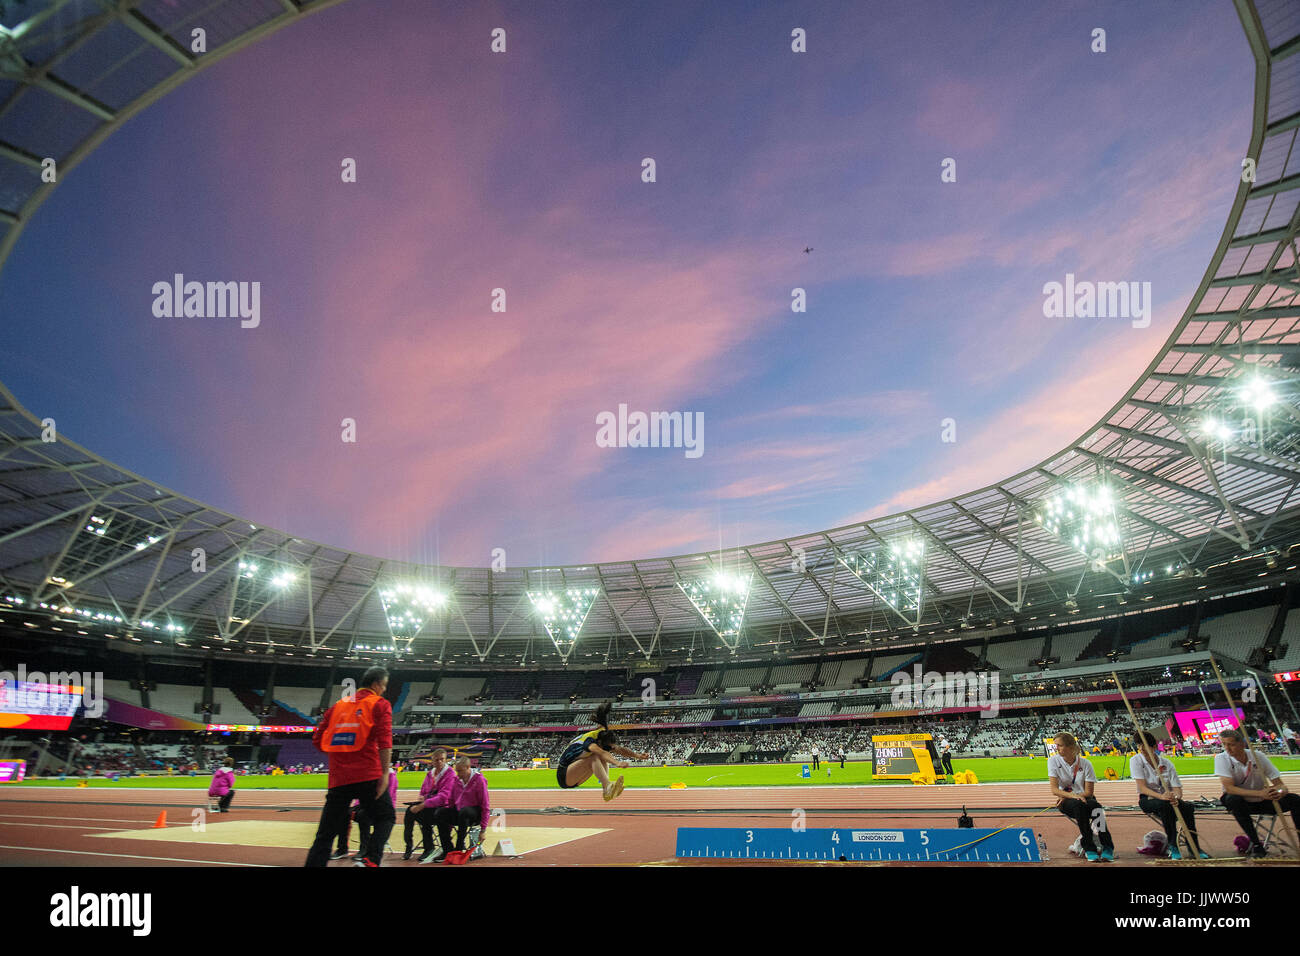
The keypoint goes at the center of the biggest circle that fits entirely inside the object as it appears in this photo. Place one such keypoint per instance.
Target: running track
(55, 826)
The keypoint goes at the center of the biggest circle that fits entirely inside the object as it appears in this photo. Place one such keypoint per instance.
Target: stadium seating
(299, 700)
(1158, 645)
(742, 680)
(709, 681)
(602, 685)
(459, 690)
(818, 708)
(856, 707)
(233, 710)
(829, 675)
(122, 690)
(557, 686)
(510, 686)
(1015, 656)
(884, 666)
(791, 675)
(1236, 635)
(179, 700)
(687, 681)
(1067, 647)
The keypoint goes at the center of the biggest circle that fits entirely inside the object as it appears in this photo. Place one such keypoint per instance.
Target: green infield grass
(988, 769)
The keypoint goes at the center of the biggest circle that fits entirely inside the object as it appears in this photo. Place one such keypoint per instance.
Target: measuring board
(932, 845)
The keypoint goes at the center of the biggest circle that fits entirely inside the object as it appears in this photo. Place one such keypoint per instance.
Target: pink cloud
(1024, 434)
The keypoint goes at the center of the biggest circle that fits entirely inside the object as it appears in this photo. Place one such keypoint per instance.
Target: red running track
(55, 826)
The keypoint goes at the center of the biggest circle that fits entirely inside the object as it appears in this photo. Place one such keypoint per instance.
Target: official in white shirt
(1158, 796)
(945, 755)
(1072, 780)
(1250, 785)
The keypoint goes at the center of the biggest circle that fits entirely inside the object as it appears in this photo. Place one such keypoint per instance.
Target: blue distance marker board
(939, 845)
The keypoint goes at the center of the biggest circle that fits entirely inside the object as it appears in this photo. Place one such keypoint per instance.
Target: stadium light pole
(1201, 688)
(1272, 713)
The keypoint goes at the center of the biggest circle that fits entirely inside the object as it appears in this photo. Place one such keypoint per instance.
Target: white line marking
(64, 826)
(28, 816)
(132, 856)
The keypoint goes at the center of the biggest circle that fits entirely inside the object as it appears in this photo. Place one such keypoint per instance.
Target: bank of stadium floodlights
(1194, 471)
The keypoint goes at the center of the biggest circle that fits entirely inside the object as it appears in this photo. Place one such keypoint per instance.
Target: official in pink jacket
(223, 785)
(435, 793)
(469, 807)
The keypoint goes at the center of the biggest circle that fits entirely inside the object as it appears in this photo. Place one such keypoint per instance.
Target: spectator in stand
(222, 787)
(469, 806)
(357, 733)
(435, 793)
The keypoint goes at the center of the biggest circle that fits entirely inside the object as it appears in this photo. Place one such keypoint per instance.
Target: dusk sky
(522, 170)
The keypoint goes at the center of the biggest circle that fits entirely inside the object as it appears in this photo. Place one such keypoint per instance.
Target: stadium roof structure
(1189, 482)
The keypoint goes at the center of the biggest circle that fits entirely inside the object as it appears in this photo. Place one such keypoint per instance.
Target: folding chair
(1265, 825)
(473, 842)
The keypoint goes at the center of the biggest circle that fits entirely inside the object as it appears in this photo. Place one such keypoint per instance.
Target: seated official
(222, 787)
(435, 793)
(1072, 780)
(1250, 785)
(469, 805)
(1159, 791)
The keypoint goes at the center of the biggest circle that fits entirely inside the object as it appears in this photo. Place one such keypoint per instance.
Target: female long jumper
(594, 753)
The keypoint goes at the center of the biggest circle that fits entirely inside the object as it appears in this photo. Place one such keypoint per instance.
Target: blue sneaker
(1204, 855)
(1091, 856)
(1108, 855)
(1175, 854)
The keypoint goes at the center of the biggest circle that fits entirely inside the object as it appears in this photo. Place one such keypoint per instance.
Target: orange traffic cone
(161, 822)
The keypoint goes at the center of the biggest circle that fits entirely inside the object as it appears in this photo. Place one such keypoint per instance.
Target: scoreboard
(25, 705)
(898, 756)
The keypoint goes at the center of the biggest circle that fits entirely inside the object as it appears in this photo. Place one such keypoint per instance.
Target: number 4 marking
(835, 836)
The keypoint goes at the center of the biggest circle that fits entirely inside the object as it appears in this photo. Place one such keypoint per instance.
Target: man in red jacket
(358, 775)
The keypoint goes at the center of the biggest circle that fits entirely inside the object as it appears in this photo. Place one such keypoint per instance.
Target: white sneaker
(614, 790)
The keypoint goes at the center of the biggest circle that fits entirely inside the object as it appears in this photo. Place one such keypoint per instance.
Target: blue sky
(521, 170)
